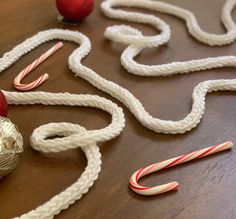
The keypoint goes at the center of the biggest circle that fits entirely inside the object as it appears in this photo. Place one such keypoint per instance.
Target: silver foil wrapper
(11, 145)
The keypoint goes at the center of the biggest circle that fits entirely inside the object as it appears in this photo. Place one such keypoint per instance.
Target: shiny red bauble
(3, 105)
(75, 10)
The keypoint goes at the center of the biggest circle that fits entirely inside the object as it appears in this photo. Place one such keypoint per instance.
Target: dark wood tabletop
(207, 186)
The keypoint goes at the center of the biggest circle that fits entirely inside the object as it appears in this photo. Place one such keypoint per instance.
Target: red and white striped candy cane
(169, 163)
(32, 66)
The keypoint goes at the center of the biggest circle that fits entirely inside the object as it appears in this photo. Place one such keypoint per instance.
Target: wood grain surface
(207, 186)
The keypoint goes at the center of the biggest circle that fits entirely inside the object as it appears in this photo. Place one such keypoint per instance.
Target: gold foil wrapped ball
(11, 145)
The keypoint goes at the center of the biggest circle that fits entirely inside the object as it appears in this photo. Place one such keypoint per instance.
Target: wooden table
(207, 186)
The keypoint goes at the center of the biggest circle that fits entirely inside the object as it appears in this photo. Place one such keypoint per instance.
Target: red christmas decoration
(75, 10)
(3, 105)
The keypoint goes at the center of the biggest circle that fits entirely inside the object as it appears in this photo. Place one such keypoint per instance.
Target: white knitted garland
(154, 5)
(73, 135)
(76, 136)
(137, 42)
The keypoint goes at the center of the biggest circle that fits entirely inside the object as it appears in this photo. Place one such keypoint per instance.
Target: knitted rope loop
(108, 8)
(137, 42)
(122, 94)
(72, 135)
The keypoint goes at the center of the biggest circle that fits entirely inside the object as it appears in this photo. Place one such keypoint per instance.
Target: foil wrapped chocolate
(11, 145)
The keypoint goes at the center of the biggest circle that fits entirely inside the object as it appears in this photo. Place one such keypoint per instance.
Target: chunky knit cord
(154, 5)
(75, 136)
(72, 135)
(137, 42)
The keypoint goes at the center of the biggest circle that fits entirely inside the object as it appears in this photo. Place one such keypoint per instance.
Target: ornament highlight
(75, 10)
(11, 145)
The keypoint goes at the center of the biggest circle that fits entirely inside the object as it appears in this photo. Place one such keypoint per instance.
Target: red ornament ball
(75, 10)
(3, 105)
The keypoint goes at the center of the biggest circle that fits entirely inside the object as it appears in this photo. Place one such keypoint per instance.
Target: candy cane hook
(169, 163)
(32, 66)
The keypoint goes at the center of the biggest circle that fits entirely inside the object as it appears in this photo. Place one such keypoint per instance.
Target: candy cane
(32, 66)
(169, 163)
